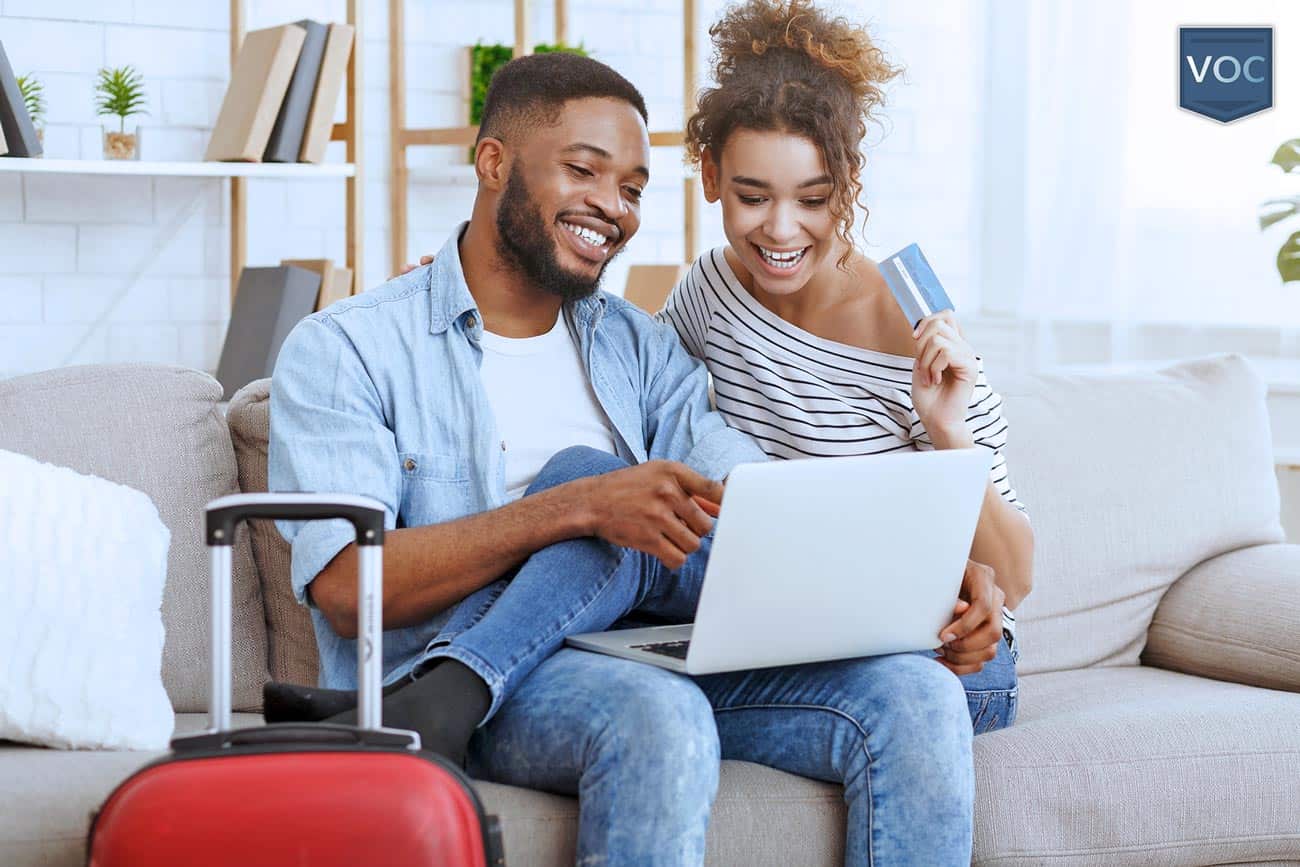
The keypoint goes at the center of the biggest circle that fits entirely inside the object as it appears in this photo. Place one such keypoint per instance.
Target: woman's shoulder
(870, 310)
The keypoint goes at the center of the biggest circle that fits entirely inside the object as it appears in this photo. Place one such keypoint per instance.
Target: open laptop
(824, 558)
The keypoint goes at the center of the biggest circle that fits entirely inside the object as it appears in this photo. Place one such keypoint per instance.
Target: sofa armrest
(1235, 617)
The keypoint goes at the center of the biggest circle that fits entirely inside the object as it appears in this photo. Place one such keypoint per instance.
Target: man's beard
(524, 242)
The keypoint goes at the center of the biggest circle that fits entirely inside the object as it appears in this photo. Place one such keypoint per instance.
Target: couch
(1159, 716)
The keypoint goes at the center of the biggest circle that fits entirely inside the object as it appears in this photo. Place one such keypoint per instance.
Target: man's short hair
(529, 92)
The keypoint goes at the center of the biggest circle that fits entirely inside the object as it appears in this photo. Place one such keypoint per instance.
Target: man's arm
(648, 507)
(328, 433)
(428, 569)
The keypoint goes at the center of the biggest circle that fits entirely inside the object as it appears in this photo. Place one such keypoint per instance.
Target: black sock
(445, 705)
(289, 702)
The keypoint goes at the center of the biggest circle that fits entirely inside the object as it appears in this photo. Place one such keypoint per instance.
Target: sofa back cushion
(293, 654)
(1131, 480)
(158, 429)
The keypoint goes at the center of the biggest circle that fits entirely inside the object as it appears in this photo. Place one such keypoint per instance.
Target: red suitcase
(299, 794)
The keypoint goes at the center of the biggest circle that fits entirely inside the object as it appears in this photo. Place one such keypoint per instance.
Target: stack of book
(279, 107)
(17, 132)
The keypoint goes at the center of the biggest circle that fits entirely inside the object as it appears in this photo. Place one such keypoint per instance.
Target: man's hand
(972, 639)
(407, 269)
(651, 507)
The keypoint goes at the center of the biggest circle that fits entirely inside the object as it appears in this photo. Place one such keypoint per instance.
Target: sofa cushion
(1140, 766)
(293, 653)
(762, 817)
(49, 795)
(1134, 479)
(1105, 766)
(1233, 618)
(158, 429)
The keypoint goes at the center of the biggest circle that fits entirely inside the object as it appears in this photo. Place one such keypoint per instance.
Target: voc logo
(1225, 73)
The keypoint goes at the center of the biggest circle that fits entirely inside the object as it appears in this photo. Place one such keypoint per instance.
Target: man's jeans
(640, 745)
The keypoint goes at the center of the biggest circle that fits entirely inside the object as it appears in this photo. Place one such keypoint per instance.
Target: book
(15, 124)
(333, 72)
(269, 303)
(335, 283)
(291, 122)
(341, 287)
(257, 88)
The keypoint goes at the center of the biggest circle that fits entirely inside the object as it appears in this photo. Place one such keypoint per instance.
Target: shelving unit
(239, 173)
(349, 131)
(401, 137)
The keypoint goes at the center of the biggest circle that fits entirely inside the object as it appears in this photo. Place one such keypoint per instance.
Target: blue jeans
(640, 745)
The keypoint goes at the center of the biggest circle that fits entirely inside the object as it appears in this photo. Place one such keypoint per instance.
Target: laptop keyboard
(675, 649)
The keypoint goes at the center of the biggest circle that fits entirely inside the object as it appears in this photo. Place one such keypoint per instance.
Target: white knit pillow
(82, 567)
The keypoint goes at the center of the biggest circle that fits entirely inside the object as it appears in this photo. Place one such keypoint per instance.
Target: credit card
(914, 284)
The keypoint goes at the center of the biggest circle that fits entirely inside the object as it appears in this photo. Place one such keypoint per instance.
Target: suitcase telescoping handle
(367, 517)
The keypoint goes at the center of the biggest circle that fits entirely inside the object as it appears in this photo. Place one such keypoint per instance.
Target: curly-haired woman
(811, 355)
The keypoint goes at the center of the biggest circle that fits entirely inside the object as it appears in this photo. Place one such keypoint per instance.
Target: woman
(810, 353)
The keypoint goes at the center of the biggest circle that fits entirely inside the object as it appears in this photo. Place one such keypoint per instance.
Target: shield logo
(1225, 73)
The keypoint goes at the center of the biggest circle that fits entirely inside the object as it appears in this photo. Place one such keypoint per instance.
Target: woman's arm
(1003, 538)
(944, 379)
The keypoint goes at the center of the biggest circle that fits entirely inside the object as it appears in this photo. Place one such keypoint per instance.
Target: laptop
(824, 558)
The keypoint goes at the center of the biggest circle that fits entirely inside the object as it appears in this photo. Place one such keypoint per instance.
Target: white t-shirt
(542, 400)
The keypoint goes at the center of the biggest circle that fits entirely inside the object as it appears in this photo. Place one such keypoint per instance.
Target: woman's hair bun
(749, 30)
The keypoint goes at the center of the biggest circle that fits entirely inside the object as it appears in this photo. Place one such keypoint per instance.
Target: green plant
(485, 60)
(1277, 210)
(120, 92)
(33, 97)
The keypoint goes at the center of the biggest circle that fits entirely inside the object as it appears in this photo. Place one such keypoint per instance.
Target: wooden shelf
(193, 168)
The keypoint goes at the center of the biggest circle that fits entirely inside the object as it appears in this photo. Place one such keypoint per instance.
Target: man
(413, 393)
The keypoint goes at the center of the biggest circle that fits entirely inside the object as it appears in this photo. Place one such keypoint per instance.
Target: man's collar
(452, 298)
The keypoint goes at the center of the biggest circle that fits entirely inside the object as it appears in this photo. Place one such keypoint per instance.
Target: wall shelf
(192, 168)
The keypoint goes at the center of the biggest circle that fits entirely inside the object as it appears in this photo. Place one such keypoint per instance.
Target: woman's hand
(407, 269)
(943, 375)
(972, 639)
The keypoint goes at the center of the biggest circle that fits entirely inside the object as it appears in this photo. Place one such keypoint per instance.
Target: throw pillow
(82, 565)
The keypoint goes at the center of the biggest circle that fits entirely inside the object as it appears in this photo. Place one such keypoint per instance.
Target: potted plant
(34, 99)
(485, 60)
(1277, 210)
(120, 92)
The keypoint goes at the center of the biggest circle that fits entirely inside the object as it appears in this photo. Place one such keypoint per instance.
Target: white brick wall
(106, 268)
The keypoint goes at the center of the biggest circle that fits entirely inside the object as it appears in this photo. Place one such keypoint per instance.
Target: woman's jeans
(640, 745)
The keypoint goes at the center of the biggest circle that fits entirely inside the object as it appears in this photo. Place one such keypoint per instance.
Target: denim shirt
(380, 394)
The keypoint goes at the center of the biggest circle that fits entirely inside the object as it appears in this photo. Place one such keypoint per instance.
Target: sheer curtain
(1125, 227)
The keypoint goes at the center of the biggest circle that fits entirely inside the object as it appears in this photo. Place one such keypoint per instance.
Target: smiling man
(537, 444)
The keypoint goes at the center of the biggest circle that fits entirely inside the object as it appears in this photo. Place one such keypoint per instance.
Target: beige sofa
(1159, 718)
